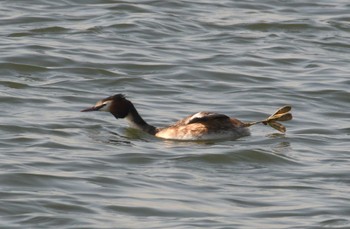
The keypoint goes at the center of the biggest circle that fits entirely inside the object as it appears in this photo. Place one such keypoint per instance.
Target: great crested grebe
(199, 126)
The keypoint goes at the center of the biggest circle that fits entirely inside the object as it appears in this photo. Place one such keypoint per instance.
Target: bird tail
(282, 114)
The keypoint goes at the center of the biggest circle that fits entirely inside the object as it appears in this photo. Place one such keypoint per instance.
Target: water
(64, 169)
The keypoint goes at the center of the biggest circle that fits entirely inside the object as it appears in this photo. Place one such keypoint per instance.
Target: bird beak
(94, 108)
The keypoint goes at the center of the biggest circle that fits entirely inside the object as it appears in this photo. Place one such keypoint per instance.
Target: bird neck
(136, 121)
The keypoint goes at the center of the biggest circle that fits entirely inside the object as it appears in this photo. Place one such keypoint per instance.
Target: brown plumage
(204, 125)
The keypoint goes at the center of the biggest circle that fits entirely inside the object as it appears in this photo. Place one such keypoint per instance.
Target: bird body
(204, 126)
(198, 126)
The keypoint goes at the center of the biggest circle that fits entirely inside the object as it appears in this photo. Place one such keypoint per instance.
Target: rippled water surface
(61, 168)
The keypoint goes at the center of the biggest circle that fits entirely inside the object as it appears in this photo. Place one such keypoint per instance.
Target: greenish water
(61, 168)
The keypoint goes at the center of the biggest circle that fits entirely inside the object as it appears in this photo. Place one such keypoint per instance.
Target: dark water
(64, 169)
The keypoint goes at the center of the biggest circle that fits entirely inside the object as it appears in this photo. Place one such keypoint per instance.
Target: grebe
(199, 126)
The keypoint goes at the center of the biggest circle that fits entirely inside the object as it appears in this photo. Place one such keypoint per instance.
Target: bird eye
(104, 106)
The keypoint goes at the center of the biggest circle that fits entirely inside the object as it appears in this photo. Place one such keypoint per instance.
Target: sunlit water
(64, 169)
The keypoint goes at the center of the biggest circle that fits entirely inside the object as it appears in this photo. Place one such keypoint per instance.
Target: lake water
(61, 168)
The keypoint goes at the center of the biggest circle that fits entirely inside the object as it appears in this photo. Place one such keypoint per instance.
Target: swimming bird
(198, 126)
